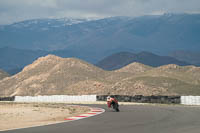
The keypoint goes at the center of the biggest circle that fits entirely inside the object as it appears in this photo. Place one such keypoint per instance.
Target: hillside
(52, 75)
(188, 74)
(135, 68)
(3, 74)
(122, 59)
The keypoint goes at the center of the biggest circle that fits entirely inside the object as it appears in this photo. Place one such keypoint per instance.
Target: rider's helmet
(108, 98)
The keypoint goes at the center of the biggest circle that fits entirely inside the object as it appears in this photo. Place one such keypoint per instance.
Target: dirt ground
(21, 115)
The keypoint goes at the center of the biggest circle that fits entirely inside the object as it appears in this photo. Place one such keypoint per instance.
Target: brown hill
(3, 74)
(165, 80)
(52, 75)
(135, 68)
(188, 74)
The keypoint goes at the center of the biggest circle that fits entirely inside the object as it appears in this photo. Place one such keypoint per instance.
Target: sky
(18, 10)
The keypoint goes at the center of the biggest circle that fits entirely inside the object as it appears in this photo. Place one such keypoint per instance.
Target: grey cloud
(17, 10)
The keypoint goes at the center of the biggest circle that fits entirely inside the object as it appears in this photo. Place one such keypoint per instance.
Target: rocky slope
(135, 68)
(52, 75)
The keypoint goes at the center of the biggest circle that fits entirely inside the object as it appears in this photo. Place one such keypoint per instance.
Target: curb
(92, 112)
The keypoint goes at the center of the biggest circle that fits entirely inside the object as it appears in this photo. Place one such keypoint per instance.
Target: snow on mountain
(45, 24)
(92, 40)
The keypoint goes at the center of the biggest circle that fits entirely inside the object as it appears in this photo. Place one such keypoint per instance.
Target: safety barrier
(144, 99)
(185, 100)
(56, 98)
(7, 98)
(190, 100)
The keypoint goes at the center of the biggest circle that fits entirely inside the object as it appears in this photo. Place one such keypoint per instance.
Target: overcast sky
(18, 10)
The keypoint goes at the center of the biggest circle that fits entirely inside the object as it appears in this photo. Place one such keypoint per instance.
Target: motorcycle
(115, 106)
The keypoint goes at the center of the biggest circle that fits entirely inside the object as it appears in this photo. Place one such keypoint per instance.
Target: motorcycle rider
(111, 100)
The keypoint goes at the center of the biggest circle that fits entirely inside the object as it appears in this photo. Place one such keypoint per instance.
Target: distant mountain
(122, 59)
(93, 40)
(3, 74)
(38, 34)
(13, 60)
(52, 75)
(116, 61)
(187, 56)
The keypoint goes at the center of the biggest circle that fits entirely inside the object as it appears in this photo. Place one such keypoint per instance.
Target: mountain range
(192, 57)
(14, 60)
(93, 40)
(122, 59)
(52, 75)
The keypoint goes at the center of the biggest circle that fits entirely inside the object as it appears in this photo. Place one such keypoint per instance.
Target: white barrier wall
(56, 98)
(190, 100)
(185, 100)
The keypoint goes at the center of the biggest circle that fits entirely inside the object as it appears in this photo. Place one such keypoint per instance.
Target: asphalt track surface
(130, 119)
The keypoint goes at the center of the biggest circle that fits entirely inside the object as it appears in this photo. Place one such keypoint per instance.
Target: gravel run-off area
(22, 115)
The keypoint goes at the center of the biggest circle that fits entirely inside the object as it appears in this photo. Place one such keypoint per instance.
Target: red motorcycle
(113, 103)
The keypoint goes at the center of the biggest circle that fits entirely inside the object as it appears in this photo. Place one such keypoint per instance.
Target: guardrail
(56, 98)
(144, 99)
(185, 100)
(7, 98)
(190, 100)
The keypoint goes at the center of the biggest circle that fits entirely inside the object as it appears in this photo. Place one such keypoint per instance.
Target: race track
(131, 119)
